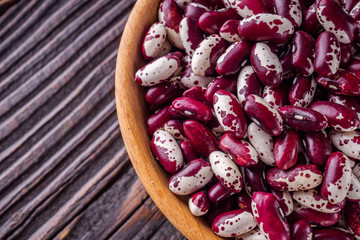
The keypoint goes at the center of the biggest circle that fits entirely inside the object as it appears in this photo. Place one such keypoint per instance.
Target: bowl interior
(132, 114)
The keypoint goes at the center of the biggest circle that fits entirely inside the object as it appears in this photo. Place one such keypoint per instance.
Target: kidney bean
(337, 178)
(264, 115)
(225, 83)
(343, 83)
(302, 91)
(354, 67)
(318, 146)
(310, 23)
(303, 119)
(175, 128)
(348, 5)
(189, 79)
(354, 191)
(197, 93)
(345, 54)
(277, 97)
(200, 137)
(190, 34)
(199, 203)
(218, 193)
(212, 4)
(154, 40)
(313, 217)
(157, 120)
(243, 200)
(302, 52)
(226, 171)
(191, 178)
(157, 71)
(247, 83)
(218, 208)
(300, 177)
(352, 217)
(247, 8)
(167, 151)
(266, 65)
(170, 14)
(210, 22)
(355, 12)
(287, 149)
(214, 125)
(254, 179)
(255, 234)
(266, 27)
(347, 142)
(229, 113)
(233, 58)
(301, 230)
(188, 152)
(285, 200)
(207, 53)
(195, 10)
(241, 151)
(233, 223)
(339, 117)
(269, 216)
(331, 233)
(263, 144)
(229, 31)
(349, 102)
(165, 49)
(164, 92)
(290, 9)
(334, 19)
(285, 60)
(191, 108)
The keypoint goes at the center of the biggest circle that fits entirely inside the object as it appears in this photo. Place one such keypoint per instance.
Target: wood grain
(64, 169)
(132, 115)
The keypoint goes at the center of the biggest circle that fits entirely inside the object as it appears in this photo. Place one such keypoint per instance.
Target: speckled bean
(286, 149)
(347, 142)
(190, 34)
(247, 83)
(302, 91)
(229, 31)
(154, 40)
(199, 203)
(318, 146)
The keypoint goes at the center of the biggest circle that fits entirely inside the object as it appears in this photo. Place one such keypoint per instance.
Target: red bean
(157, 120)
(199, 203)
(188, 152)
(210, 22)
(218, 193)
(229, 31)
(287, 149)
(225, 83)
(302, 53)
(301, 230)
(343, 83)
(332, 233)
(247, 8)
(318, 146)
(352, 216)
(302, 91)
(254, 179)
(195, 10)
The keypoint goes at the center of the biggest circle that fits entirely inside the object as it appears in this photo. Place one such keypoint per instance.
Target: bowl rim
(132, 119)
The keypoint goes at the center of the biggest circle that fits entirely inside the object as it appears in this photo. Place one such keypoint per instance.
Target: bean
(199, 203)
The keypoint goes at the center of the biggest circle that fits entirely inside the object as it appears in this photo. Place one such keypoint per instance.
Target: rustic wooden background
(64, 170)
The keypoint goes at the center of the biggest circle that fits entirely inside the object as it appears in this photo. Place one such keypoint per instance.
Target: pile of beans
(256, 113)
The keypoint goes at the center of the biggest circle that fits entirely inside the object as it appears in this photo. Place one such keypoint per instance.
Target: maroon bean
(191, 178)
(247, 83)
(243, 200)
(302, 91)
(300, 177)
(286, 149)
(345, 54)
(189, 79)
(234, 223)
(348, 5)
(211, 22)
(214, 125)
(241, 151)
(327, 54)
(266, 65)
(165, 92)
(247, 8)
(213, 4)
(349, 102)
(285, 60)
(197, 93)
(170, 15)
(301, 230)
(225, 83)
(190, 34)
(254, 179)
(303, 119)
(220, 207)
(195, 10)
(191, 108)
(264, 115)
(334, 19)
(285, 200)
(188, 152)
(310, 22)
(302, 53)
(154, 40)
(277, 97)
(229, 31)
(175, 128)
(343, 83)
(199, 203)
(230, 113)
(218, 193)
(337, 178)
(353, 194)
(291, 9)
(269, 216)
(233, 58)
(312, 216)
(167, 151)
(347, 142)
(157, 120)
(331, 233)
(201, 138)
(352, 216)
(318, 146)
(339, 117)
(266, 27)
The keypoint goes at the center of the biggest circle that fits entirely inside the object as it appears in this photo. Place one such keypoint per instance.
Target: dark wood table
(64, 170)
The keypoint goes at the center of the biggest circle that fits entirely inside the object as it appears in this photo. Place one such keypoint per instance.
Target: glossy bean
(197, 93)
(225, 83)
(285, 200)
(188, 152)
(191, 108)
(189, 79)
(243, 200)
(255, 234)
(302, 91)
(210, 22)
(154, 40)
(302, 52)
(347, 142)
(247, 8)
(310, 22)
(164, 92)
(343, 83)
(290, 9)
(318, 146)
(301, 230)
(352, 217)
(277, 97)
(195, 10)
(218, 193)
(247, 83)
(190, 34)
(331, 233)
(229, 31)
(286, 149)
(254, 179)
(175, 128)
(199, 203)
(157, 120)
(353, 194)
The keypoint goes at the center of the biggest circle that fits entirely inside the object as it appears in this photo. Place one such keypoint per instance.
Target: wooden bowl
(132, 113)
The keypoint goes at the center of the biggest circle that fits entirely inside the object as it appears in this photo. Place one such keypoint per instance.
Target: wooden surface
(64, 170)
(132, 114)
